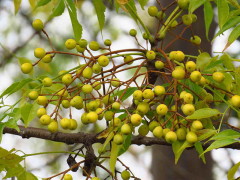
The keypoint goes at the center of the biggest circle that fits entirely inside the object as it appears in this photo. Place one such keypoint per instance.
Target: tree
(175, 94)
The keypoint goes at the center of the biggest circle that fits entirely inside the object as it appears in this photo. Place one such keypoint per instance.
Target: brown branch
(88, 138)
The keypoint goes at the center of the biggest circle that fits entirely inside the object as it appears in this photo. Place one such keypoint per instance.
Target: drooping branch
(87, 138)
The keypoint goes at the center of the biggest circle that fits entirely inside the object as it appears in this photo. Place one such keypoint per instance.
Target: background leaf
(143, 3)
(15, 87)
(203, 113)
(223, 12)
(17, 4)
(113, 157)
(77, 28)
(194, 4)
(100, 10)
(58, 10)
(233, 171)
(233, 36)
(208, 16)
(42, 3)
(28, 112)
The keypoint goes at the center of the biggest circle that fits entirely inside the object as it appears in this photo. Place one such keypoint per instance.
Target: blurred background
(18, 40)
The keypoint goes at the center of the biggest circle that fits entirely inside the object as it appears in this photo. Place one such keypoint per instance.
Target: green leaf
(199, 149)
(27, 176)
(237, 79)
(77, 28)
(126, 144)
(213, 64)
(205, 133)
(127, 93)
(113, 157)
(143, 3)
(227, 61)
(229, 24)
(17, 4)
(178, 148)
(100, 10)
(42, 3)
(223, 12)
(10, 159)
(16, 171)
(194, 4)
(233, 171)
(226, 134)
(219, 144)
(108, 139)
(2, 125)
(58, 10)
(15, 87)
(203, 60)
(208, 16)
(28, 112)
(233, 36)
(203, 113)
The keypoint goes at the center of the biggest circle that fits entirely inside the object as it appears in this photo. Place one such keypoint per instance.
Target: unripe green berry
(87, 72)
(126, 129)
(159, 65)
(158, 131)
(152, 11)
(67, 177)
(33, 95)
(162, 109)
(125, 175)
(67, 79)
(191, 137)
(195, 40)
(115, 82)
(47, 58)
(218, 77)
(143, 130)
(171, 137)
(152, 125)
(195, 76)
(42, 100)
(92, 117)
(53, 127)
(26, 68)
(45, 119)
(187, 19)
(151, 55)
(83, 43)
(118, 139)
(65, 103)
(159, 90)
(93, 45)
(128, 59)
(109, 115)
(39, 53)
(188, 109)
(96, 85)
(65, 123)
(38, 24)
(197, 125)
(136, 119)
(190, 66)
(96, 68)
(107, 42)
(70, 44)
(87, 89)
(41, 111)
(47, 82)
(181, 134)
(148, 94)
(103, 61)
(116, 105)
(133, 32)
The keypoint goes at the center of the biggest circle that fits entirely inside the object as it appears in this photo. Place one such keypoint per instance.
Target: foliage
(178, 111)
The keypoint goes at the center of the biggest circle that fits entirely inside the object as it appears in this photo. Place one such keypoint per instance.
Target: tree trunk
(189, 166)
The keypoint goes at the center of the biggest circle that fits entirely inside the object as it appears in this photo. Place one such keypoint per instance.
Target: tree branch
(88, 138)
